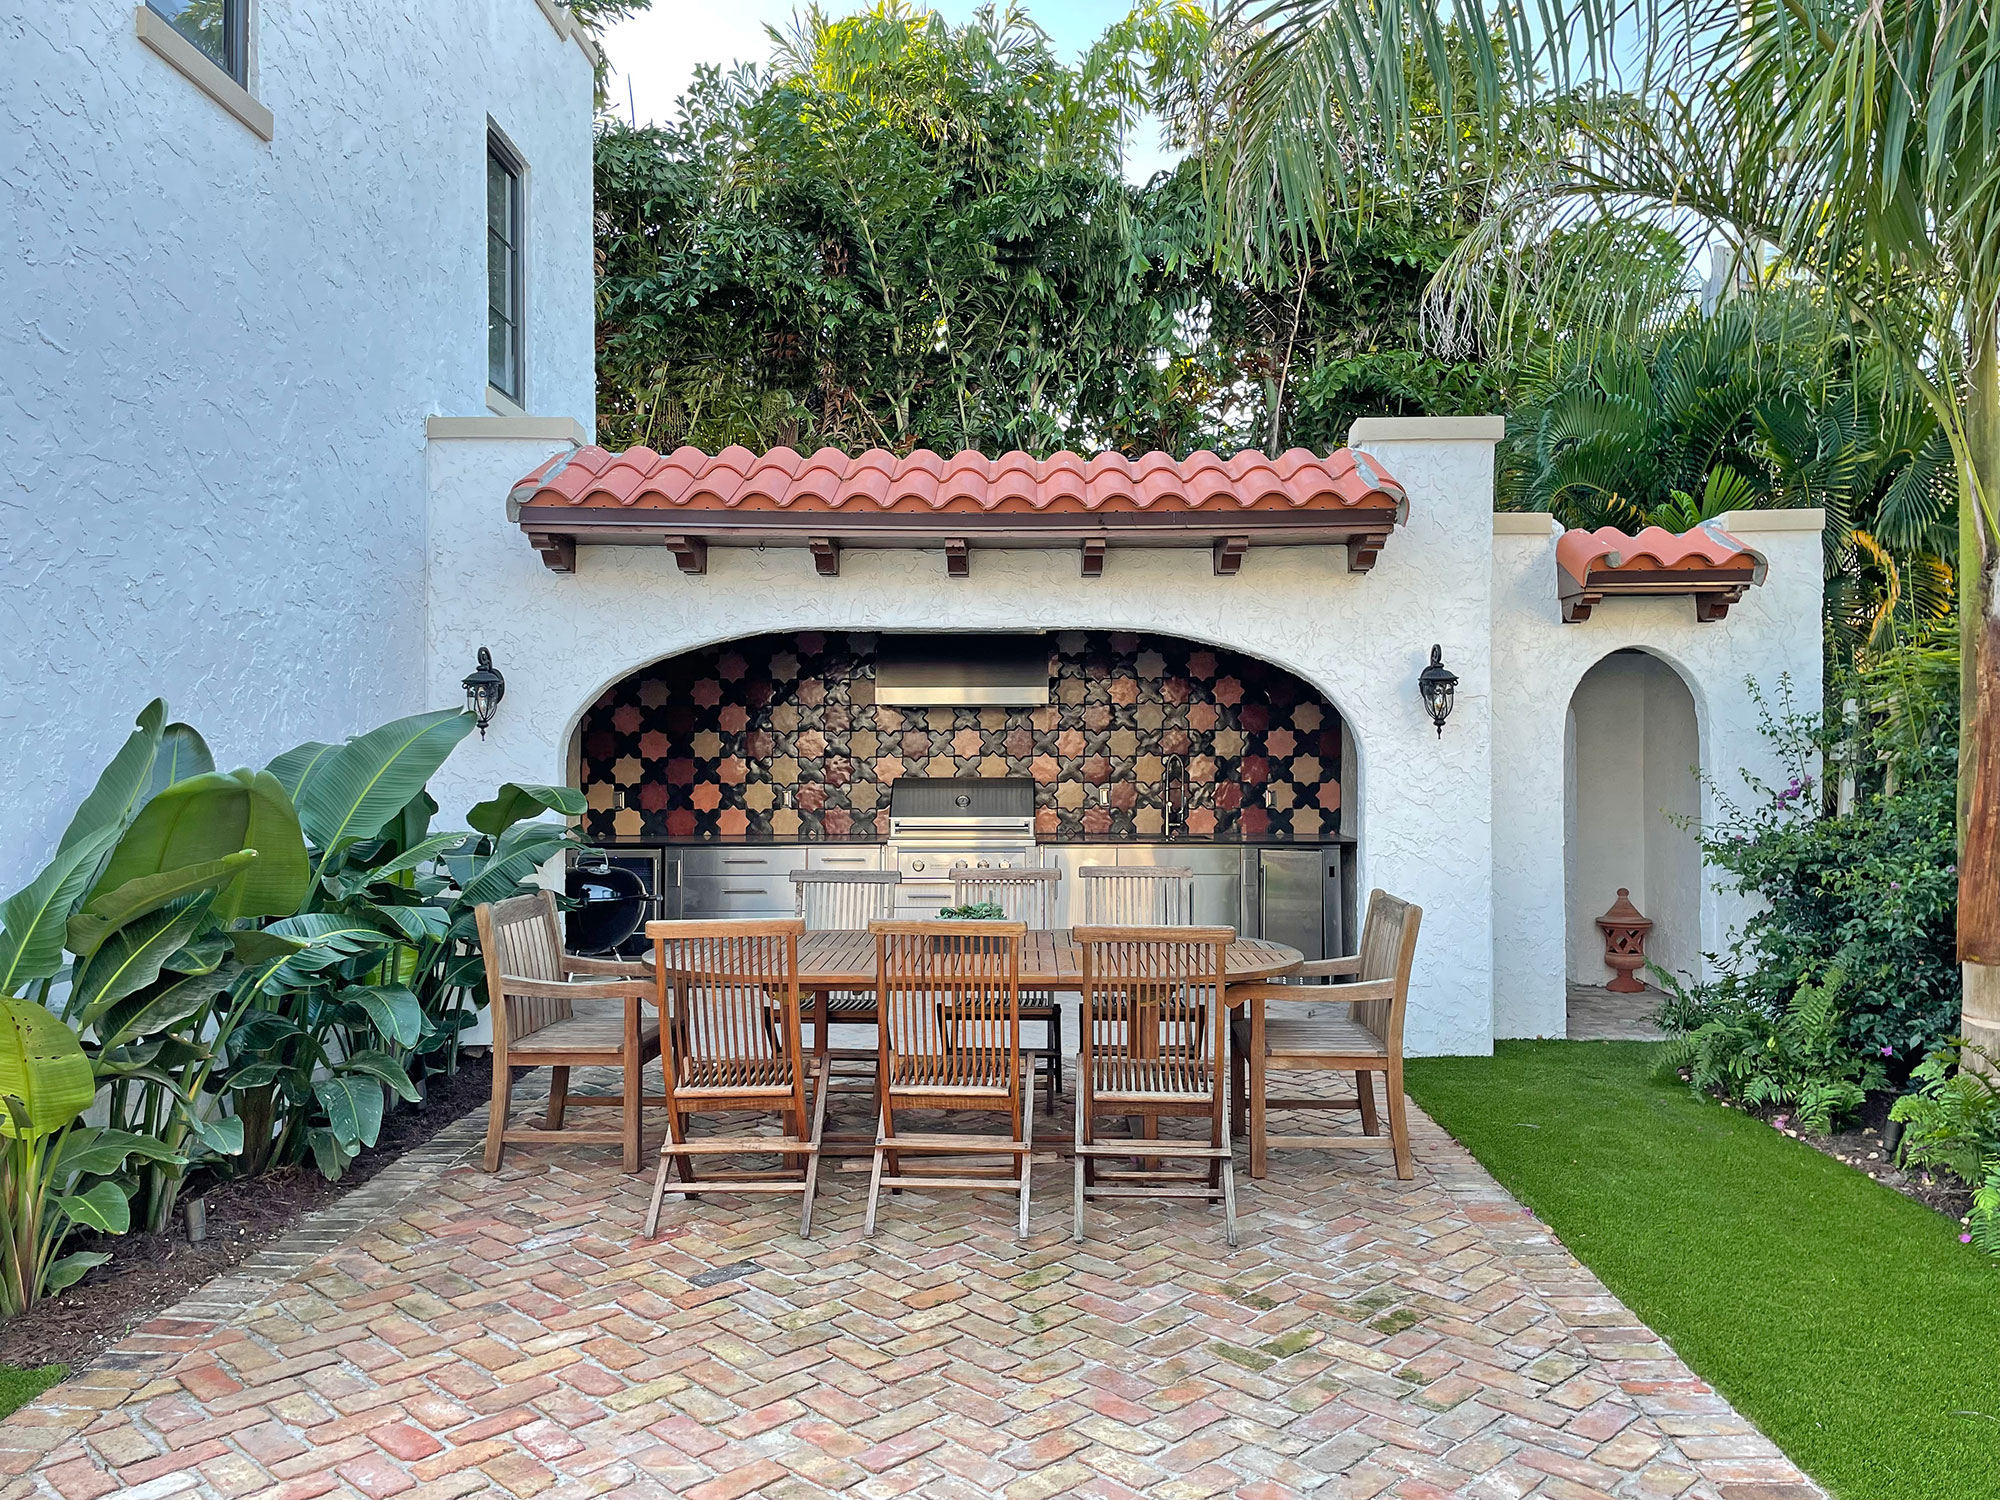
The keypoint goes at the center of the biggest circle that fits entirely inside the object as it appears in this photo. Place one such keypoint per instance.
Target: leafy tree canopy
(898, 232)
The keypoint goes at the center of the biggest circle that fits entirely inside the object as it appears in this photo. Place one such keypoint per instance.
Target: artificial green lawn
(1846, 1321)
(18, 1386)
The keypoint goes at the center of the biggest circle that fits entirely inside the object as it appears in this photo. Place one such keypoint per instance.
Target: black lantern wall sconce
(1438, 684)
(484, 688)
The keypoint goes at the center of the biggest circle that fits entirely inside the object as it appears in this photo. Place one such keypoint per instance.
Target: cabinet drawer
(739, 860)
(737, 895)
(844, 857)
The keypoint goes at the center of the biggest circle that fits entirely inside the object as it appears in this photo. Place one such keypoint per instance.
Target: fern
(1792, 1060)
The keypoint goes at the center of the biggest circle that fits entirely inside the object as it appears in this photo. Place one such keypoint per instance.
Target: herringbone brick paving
(453, 1333)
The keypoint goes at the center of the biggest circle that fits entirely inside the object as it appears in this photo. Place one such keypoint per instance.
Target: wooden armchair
(532, 988)
(1375, 986)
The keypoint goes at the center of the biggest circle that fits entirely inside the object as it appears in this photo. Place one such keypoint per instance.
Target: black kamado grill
(611, 902)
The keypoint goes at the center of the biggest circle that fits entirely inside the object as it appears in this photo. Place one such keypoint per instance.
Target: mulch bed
(1860, 1147)
(149, 1272)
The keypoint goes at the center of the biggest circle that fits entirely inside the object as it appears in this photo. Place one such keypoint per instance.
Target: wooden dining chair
(948, 995)
(1027, 896)
(1152, 1044)
(1373, 990)
(843, 901)
(533, 989)
(728, 992)
(1137, 895)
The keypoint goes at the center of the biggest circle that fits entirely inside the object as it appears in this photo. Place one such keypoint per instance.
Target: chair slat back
(844, 900)
(948, 1004)
(729, 1003)
(1154, 1017)
(521, 938)
(1026, 896)
(1388, 951)
(1138, 895)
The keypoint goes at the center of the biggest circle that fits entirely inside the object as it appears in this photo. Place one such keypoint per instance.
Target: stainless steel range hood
(962, 671)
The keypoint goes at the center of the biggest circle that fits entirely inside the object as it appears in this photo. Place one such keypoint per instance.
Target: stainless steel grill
(937, 823)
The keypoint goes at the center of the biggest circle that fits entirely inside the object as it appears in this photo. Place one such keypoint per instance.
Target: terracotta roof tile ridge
(782, 478)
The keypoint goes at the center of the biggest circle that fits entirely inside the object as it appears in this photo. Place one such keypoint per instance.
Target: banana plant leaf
(35, 919)
(353, 1107)
(382, 1066)
(124, 783)
(413, 824)
(329, 1153)
(514, 801)
(104, 1207)
(181, 753)
(353, 793)
(70, 1269)
(392, 1010)
(297, 766)
(44, 1074)
(208, 817)
(330, 938)
(347, 882)
(99, 1152)
(163, 1009)
(133, 957)
(519, 852)
(105, 914)
(223, 1137)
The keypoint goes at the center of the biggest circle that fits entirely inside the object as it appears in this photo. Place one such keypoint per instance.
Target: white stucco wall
(1538, 662)
(1360, 639)
(217, 354)
(1634, 748)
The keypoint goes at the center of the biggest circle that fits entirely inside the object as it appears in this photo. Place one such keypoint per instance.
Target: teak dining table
(1051, 960)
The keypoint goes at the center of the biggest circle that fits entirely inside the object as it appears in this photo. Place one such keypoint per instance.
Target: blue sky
(654, 55)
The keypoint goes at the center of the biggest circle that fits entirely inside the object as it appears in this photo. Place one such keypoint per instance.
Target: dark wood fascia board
(602, 526)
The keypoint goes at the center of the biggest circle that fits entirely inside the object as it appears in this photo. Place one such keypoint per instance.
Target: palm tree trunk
(1979, 696)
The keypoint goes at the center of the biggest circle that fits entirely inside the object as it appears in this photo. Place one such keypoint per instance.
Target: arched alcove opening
(1632, 800)
(778, 739)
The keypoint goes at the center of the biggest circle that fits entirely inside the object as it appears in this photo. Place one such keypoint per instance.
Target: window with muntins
(503, 269)
(219, 29)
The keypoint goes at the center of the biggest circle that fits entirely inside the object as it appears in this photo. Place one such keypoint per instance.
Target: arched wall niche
(1632, 803)
(778, 735)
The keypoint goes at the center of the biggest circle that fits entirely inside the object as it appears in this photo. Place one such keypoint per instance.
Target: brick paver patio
(448, 1333)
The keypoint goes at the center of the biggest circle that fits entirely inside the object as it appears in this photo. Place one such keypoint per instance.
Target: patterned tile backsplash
(781, 737)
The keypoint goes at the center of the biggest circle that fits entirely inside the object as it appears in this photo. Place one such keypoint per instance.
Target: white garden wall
(1425, 803)
(217, 354)
(1771, 636)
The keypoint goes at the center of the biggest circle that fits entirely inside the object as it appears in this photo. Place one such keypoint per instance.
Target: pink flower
(1965, 1239)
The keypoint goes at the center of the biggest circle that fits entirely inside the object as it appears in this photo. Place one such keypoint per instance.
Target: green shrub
(1796, 1058)
(1951, 1119)
(1871, 894)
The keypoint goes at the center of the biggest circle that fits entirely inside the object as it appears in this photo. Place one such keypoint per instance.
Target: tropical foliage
(1749, 407)
(236, 965)
(1951, 1120)
(902, 232)
(1838, 147)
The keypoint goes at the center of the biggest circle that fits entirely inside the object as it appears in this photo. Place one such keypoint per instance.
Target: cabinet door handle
(753, 891)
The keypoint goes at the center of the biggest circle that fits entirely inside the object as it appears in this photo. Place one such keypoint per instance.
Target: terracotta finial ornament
(1625, 932)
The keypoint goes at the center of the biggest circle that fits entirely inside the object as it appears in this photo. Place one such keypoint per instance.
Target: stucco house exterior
(238, 282)
(299, 394)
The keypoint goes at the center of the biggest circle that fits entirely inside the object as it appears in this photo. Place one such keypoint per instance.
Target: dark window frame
(235, 59)
(510, 245)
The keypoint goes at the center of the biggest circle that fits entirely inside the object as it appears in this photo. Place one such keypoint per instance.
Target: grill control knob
(917, 865)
